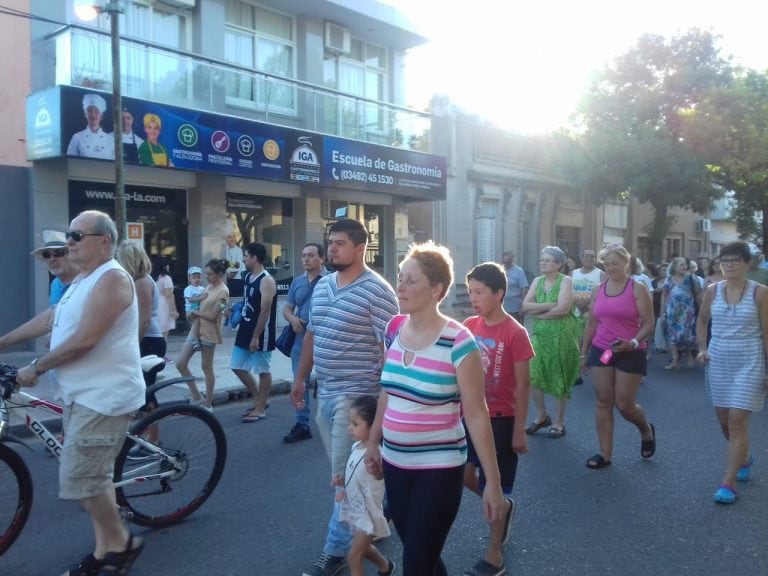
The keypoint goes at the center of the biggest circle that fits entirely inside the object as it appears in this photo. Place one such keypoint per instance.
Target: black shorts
(632, 362)
(502, 427)
(151, 345)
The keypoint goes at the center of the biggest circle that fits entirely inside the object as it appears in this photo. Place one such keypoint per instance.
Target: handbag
(285, 341)
(287, 337)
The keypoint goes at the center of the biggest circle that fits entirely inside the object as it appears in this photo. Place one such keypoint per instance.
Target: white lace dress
(362, 506)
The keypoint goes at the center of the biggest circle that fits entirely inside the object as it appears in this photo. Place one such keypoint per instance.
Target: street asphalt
(635, 518)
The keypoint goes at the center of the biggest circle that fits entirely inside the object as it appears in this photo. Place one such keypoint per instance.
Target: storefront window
(268, 220)
(163, 211)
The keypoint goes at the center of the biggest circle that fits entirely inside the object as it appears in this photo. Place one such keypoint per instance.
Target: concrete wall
(15, 290)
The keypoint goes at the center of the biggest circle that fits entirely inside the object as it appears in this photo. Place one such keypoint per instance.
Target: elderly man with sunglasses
(56, 253)
(94, 360)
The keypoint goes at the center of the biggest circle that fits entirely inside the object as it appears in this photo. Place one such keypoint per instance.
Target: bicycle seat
(152, 362)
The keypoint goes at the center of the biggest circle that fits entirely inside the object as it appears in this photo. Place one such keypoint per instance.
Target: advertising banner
(79, 122)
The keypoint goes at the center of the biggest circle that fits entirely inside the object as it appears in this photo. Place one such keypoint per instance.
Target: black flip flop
(597, 461)
(648, 447)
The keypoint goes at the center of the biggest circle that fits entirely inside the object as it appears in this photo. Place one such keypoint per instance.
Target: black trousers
(423, 505)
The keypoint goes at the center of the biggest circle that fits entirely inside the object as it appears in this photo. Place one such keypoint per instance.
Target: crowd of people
(413, 406)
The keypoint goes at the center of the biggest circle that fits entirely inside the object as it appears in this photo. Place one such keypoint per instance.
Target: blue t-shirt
(297, 293)
(57, 291)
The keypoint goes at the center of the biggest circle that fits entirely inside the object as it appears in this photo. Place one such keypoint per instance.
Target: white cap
(194, 270)
(94, 100)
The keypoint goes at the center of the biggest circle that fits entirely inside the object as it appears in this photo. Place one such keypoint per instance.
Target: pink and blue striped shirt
(422, 425)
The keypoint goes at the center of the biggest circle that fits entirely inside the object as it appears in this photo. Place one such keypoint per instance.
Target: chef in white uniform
(93, 142)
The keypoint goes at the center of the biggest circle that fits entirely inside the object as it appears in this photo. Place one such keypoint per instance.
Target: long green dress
(555, 367)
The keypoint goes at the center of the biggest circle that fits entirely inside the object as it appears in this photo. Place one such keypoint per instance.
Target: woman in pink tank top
(614, 349)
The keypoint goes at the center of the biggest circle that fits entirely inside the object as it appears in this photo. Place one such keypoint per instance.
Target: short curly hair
(435, 262)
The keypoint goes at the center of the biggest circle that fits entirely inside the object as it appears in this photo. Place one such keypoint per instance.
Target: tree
(631, 141)
(729, 128)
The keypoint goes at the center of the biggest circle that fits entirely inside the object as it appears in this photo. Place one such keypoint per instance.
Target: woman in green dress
(555, 367)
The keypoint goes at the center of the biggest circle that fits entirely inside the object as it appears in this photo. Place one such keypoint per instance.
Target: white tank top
(584, 283)
(108, 378)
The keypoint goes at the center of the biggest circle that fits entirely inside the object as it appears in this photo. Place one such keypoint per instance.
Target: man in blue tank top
(255, 337)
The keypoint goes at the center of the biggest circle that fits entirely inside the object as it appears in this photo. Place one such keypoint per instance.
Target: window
(567, 239)
(146, 73)
(361, 73)
(265, 41)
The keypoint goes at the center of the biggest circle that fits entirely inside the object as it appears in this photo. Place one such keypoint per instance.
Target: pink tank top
(617, 316)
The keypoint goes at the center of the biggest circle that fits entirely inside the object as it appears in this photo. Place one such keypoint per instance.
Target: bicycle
(148, 476)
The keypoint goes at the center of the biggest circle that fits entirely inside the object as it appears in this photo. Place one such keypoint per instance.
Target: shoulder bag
(287, 337)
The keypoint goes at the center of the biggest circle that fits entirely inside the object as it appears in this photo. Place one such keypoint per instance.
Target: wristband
(634, 343)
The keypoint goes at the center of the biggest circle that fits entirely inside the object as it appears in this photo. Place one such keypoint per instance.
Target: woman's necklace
(741, 294)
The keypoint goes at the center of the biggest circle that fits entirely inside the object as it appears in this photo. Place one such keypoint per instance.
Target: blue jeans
(332, 420)
(302, 414)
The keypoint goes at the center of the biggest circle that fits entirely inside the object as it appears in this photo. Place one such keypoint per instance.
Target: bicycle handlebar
(7, 380)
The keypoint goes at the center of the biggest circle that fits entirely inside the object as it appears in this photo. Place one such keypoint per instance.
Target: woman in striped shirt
(432, 376)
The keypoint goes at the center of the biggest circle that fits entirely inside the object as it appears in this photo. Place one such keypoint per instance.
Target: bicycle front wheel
(15, 496)
(162, 484)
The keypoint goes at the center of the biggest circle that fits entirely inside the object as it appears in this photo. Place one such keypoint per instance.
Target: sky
(525, 65)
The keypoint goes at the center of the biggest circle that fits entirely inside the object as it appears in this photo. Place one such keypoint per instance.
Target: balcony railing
(80, 56)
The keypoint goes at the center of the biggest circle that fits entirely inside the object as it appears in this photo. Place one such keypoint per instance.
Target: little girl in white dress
(362, 495)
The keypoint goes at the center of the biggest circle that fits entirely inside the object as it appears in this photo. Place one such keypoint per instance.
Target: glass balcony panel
(81, 57)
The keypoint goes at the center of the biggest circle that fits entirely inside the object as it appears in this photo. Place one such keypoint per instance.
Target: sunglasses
(48, 254)
(78, 235)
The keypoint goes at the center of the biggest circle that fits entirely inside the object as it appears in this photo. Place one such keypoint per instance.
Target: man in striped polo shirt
(344, 342)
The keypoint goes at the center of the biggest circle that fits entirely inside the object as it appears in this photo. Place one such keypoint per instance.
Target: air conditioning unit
(704, 225)
(337, 39)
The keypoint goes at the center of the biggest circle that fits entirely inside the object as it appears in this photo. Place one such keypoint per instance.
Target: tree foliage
(631, 127)
(729, 128)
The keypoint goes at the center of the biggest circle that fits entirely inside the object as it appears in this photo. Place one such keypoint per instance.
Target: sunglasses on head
(78, 235)
(48, 254)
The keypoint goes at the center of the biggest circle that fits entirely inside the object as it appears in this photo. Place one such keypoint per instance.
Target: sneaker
(327, 565)
(390, 570)
(298, 432)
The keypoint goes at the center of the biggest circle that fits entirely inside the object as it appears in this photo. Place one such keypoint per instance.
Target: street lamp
(88, 10)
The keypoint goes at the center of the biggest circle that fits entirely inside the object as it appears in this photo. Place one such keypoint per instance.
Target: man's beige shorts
(92, 441)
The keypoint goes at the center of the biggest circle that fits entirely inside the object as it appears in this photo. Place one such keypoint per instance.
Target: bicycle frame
(27, 403)
(24, 402)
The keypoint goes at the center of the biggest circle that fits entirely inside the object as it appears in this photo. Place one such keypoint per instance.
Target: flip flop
(536, 426)
(671, 367)
(250, 409)
(597, 461)
(508, 521)
(556, 432)
(250, 418)
(648, 447)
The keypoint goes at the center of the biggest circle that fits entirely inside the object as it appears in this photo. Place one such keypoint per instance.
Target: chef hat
(94, 100)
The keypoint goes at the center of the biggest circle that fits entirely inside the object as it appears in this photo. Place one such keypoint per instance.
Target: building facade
(265, 119)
